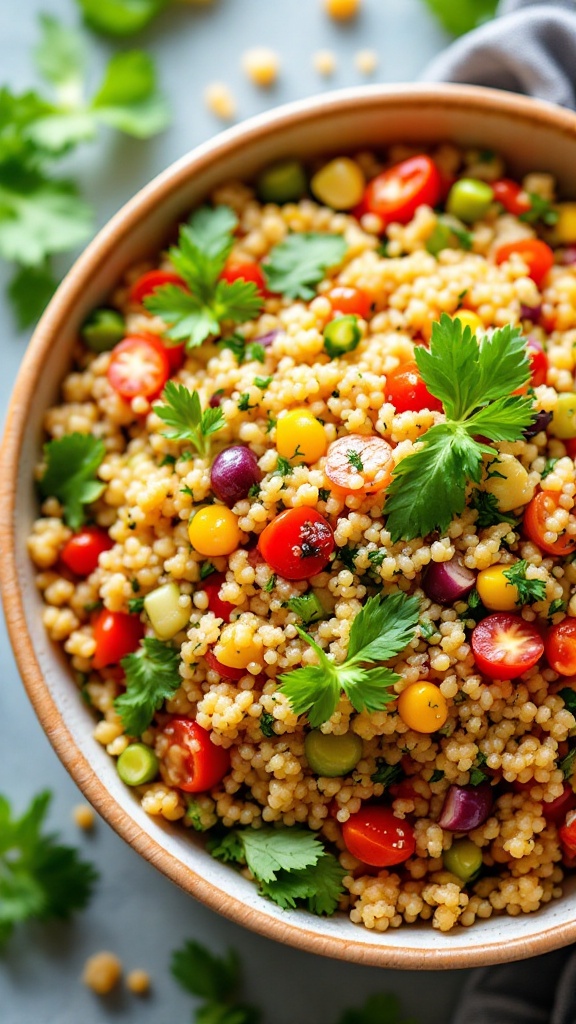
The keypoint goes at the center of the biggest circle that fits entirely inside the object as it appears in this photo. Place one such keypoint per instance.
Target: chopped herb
(244, 403)
(557, 606)
(185, 489)
(135, 586)
(323, 494)
(93, 606)
(307, 607)
(263, 382)
(151, 678)
(183, 414)
(270, 424)
(266, 723)
(255, 352)
(168, 460)
(254, 491)
(355, 460)
(427, 628)
(206, 570)
(295, 266)
(382, 249)
(477, 776)
(448, 233)
(387, 774)
(72, 462)
(540, 210)
(347, 557)
(120, 17)
(566, 765)
(474, 599)
(377, 557)
(270, 584)
(437, 775)
(214, 979)
(569, 697)
(489, 513)
(237, 344)
(136, 605)
(528, 590)
(283, 467)
(548, 467)
(193, 815)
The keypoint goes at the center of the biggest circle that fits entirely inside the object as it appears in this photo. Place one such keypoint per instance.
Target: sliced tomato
(567, 834)
(298, 543)
(537, 511)
(347, 301)
(147, 284)
(538, 366)
(407, 392)
(138, 368)
(538, 256)
(359, 463)
(504, 646)
(226, 671)
(511, 196)
(174, 353)
(557, 809)
(211, 587)
(560, 646)
(245, 270)
(377, 837)
(116, 634)
(81, 552)
(396, 193)
(194, 762)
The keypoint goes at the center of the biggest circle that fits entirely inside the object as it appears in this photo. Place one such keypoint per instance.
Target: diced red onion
(531, 313)
(445, 582)
(466, 807)
(568, 256)
(266, 339)
(540, 423)
(216, 399)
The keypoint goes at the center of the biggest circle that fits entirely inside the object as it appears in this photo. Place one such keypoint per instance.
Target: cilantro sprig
(529, 591)
(383, 628)
(151, 678)
(295, 266)
(182, 412)
(72, 463)
(204, 245)
(475, 382)
(214, 979)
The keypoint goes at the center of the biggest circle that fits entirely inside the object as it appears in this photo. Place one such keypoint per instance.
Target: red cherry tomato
(538, 367)
(570, 446)
(511, 196)
(504, 646)
(116, 634)
(538, 510)
(196, 764)
(226, 671)
(396, 193)
(376, 836)
(244, 270)
(150, 281)
(211, 587)
(537, 256)
(557, 809)
(567, 834)
(347, 301)
(174, 353)
(138, 368)
(407, 392)
(298, 543)
(80, 554)
(560, 646)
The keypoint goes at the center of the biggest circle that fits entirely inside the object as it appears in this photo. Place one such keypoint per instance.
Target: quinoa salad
(307, 535)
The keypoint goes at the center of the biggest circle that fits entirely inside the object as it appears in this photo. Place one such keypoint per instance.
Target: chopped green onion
(341, 335)
(137, 764)
(103, 329)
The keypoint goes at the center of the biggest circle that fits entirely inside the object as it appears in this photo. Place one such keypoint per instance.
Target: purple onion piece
(266, 339)
(540, 423)
(568, 256)
(233, 473)
(466, 807)
(445, 582)
(531, 313)
(216, 399)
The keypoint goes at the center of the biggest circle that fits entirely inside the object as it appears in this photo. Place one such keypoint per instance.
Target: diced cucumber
(137, 764)
(165, 612)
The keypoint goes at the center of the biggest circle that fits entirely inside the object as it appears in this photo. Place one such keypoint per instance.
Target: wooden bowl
(531, 136)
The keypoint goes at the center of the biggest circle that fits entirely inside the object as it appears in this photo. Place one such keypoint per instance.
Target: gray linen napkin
(529, 48)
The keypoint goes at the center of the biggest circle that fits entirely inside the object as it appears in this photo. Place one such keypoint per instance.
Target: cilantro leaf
(72, 462)
(120, 17)
(30, 291)
(270, 850)
(528, 590)
(297, 264)
(319, 884)
(128, 98)
(151, 678)
(183, 414)
(463, 16)
(202, 974)
(38, 216)
(60, 56)
(382, 628)
(448, 233)
(382, 1008)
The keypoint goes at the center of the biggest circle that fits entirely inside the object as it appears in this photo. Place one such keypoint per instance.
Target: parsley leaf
(477, 776)
(214, 979)
(488, 510)
(355, 460)
(120, 17)
(382, 629)
(297, 264)
(39, 217)
(448, 233)
(72, 462)
(151, 678)
(528, 590)
(548, 467)
(556, 606)
(381, 1008)
(307, 607)
(135, 605)
(128, 98)
(183, 414)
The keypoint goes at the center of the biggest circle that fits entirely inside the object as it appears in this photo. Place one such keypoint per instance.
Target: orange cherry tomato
(511, 196)
(561, 647)
(505, 645)
(80, 554)
(150, 281)
(211, 587)
(536, 513)
(377, 837)
(244, 270)
(116, 634)
(138, 368)
(298, 543)
(396, 193)
(567, 834)
(196, 764)
(407, 392)
(357, 463)
(347, 301)
(537, 256)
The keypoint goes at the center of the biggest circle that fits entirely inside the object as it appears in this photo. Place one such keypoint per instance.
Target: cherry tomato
(561, 647)
(195, 763)
(376, 836)
(557, 809)
(504, 646)
(396, 193)
(408, 392)
(174, 353)
(80, 554)
(347, 301)
(511, 196)
(150, 281)
(538, 510)
(211, 587)
(138, 368)
(570, 446)
(226, 671)
(298, 543)
(116, 634)
(567, 834)
(359, 463)
(244, 270)
(538, 367)
(537, 256)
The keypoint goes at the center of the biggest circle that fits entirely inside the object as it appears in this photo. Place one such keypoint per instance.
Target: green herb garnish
(528, 590)
(183, 414)
(387, 774)
(215, 980)
(151, 678)
(295, 266)
(72, 463)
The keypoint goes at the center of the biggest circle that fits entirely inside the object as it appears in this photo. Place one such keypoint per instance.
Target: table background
(136, 912)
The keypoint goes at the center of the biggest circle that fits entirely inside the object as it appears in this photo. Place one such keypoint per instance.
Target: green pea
(137, 764)
(103, 329)
(463, 859)
(332, 755)
(469, 199)
(283, 182)
(563, 423)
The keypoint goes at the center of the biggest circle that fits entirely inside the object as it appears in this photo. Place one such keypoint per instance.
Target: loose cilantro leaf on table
(39, 877)
(72, 462)
(39, 216)
(295, 266)
(151, 678)
(528, 590)
(474, 381)
(120, 17)
(214, 979)
(183, 414)
(464, 15)
(30, 291)
(381, 630)
(382, 1008)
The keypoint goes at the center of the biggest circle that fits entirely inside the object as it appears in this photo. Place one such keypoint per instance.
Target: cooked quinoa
(515, 732)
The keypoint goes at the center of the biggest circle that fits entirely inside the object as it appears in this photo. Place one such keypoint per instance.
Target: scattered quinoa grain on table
(366, 61)
(84, 817)
(102, 972)
(324, 62)
(138, 982)
(220, 101)
(317, 587)
(261, 65)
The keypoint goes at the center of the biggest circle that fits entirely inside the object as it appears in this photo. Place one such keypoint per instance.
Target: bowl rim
(157, 192)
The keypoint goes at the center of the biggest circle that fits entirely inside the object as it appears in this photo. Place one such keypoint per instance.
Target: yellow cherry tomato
(496, 592)
(339, 184)
(300, 437)
(422, 707)
(214, 530)
(564, 417)
(468, 318)
(235, 649)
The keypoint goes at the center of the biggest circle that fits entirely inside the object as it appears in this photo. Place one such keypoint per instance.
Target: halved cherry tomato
(537, 256)
(359, 463)
(537, 511)
(567, 834)
(298, 543)
(244, 270)
(557, 809)
(226, 671)
(570, 446)
(396, 193)
(80, 554)
(138, 368)
(116, 634)
(561, 647)
(376, 836)
(346, 301)
(174, 353)
(211, 587)
(408, 392)
(504, 646)
(538, 366)
(195, 763)
(511, 196)
(150, 281)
